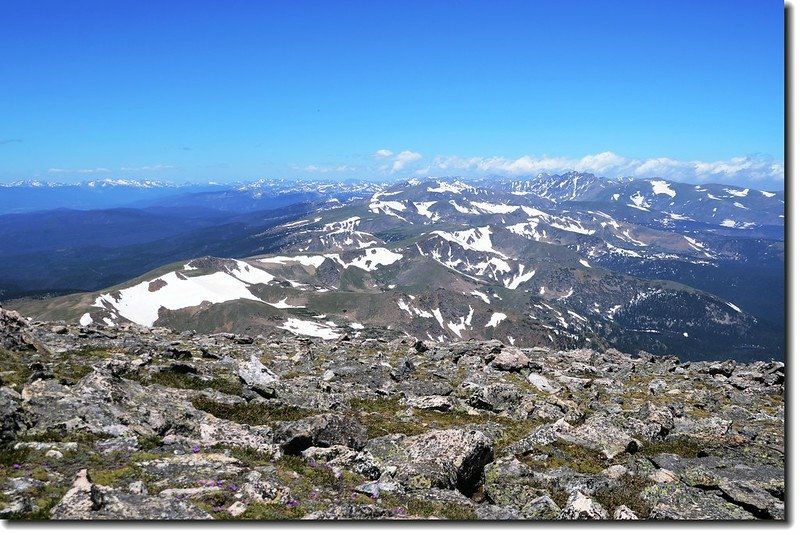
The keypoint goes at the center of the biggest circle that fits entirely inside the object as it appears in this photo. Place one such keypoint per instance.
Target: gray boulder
(581, 507)
(323, 431)
(87, 501)
(445, 459)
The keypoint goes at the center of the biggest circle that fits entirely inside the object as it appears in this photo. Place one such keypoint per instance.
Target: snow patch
(737, 309)
(661, 187)
(481, 295)
(496, 318)
(309, 328)
(738, 193)
(283, 304)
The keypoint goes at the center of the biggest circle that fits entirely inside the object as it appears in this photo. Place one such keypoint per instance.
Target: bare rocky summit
(129, 422)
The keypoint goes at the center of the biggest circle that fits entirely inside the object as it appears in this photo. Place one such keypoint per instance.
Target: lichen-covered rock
(541, 508)
(602, 435)
(662, 416)
(342, 457)
(542, 383)
(324, 430)
(623, 512)
(14, 332)
(673, 501)
(507, 481)
(446, 459)
(511, 359)
(581, 507)
(87, 501)
(12, 418)
(256, 376)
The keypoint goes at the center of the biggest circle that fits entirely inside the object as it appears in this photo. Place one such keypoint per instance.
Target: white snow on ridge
(173, 291)
(528, 230)
(584, 263)
(738, 193)
(250, 274)
(301, 222)
(348, 224)
(494, 208)
(423, 209)
(572, 226)
(495, 320)
(767, 194)
(730, 223)
(661, 187)
(516, 280)
(389, 208)
(481, 295)
(438, 315)
(306, 260)
(454, 187)
(639, 201)
(462, 324)
(737, 309)
(463, 210)
(474, 239)
(283, 304)
(372, 258)
(679, 217)
(695, 244)
(309, 328)
(86, 319)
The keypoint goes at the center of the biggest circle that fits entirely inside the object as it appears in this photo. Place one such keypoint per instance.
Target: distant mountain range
(566, 261)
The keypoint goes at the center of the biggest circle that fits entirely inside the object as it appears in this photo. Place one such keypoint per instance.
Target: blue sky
(238, 90)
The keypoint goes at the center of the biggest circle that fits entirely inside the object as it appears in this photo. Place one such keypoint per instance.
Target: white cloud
(741, 168)
(156, 167)
(383, 153)
(323, 169)
(79, 171)
(403, 159)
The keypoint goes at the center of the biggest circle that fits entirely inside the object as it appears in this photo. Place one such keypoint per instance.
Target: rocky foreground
(135, 423)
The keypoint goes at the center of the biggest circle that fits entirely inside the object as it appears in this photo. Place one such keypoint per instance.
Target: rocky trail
(130, 422)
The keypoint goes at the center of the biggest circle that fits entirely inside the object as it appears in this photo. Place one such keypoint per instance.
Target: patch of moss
(189, 381)
(249, 413)
(679, 446)
(626, 492)
(215, 503)
(111, 476)
(251, 457)
(10, 456)
(451, 511)
(380, 418)
(53, 435)
(567, 455)
(313, 474)
(271, 511)
(71, 372)
(149, 442)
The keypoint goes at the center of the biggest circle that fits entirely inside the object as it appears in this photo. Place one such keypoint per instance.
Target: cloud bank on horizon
(738, 170)
(752, 170)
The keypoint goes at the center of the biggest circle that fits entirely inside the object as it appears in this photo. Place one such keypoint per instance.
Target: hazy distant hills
(570, 260)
